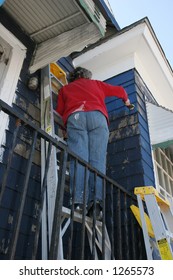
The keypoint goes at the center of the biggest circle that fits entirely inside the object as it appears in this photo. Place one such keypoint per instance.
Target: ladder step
(66, 214)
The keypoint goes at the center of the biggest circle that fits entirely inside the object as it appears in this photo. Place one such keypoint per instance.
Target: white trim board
(11, 77)
(14, 65)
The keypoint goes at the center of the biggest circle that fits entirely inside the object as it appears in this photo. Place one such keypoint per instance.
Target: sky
(159, 13)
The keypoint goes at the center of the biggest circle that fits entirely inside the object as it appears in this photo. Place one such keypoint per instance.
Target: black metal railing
(125, 236)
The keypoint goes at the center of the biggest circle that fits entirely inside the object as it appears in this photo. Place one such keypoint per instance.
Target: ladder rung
(66, 214)
(78, 217)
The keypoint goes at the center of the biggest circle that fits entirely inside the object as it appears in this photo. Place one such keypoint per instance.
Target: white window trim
(8, 86)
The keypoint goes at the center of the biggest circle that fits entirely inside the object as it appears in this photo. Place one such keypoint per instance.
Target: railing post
(126, 231)
(84, 213)
(118, 220)
(132, 233)
(70, 240)
(42, 198)
(22, 201)
(4, 181)
(112, 220)
(104, 216)
(93, 253)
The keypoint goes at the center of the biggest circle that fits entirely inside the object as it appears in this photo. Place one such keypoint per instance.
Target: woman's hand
(129, 105)
(127, 102)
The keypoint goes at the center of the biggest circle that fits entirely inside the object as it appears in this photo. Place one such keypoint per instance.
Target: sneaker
(98, 211)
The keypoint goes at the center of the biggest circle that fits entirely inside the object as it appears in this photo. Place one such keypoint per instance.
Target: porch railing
(125, 236)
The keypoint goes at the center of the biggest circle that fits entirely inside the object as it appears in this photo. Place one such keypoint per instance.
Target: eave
(135, 46)
(57, 27)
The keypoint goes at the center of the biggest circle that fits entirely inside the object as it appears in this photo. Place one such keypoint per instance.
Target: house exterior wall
(129, 159)
(26, 102)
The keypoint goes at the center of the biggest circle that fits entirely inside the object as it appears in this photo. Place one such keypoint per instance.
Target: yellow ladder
(157, 226)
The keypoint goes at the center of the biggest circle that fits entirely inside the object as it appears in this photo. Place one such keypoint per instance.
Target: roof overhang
(135, 46)
(57, 27)
(64, 44)
(160, 122)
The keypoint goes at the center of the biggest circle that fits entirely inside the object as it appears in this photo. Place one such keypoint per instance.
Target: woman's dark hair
(80, 72)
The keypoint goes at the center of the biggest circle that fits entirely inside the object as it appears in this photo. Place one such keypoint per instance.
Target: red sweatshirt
(86, 95)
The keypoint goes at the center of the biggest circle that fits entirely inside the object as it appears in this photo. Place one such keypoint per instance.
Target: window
(163, 163)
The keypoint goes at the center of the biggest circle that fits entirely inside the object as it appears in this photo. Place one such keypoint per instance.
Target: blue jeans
(88, 137)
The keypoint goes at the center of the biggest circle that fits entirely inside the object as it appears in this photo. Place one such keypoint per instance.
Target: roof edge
(107, 13)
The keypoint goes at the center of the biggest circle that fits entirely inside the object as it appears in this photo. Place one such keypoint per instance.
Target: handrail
(116, 202)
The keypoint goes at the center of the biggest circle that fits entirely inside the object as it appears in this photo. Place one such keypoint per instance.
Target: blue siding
(66, 64)
(129, 152)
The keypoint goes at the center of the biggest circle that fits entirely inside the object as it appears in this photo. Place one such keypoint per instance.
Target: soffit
(44, 21)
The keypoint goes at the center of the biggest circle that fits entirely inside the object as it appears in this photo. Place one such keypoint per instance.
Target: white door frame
(11, 77)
